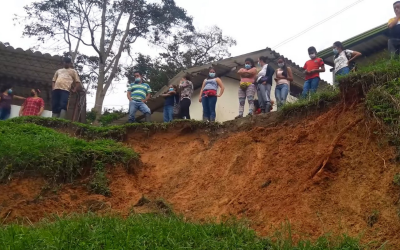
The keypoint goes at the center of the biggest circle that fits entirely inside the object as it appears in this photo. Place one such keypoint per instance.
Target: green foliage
(396, 179)
(180, 51)
(99, 182)
(315, 100)
(118, 133)
(106, 118)
(35, 149)
(152, 231)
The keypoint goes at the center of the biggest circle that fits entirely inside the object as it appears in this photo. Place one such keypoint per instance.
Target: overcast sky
(255, 25)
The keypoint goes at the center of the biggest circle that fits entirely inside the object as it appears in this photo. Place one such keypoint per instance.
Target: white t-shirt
(341, 61)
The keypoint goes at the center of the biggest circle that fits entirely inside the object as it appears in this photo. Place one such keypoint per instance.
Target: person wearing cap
(63, 81)
(33, 106)
(394, 31)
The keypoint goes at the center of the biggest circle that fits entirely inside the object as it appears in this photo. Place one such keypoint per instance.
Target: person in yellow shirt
(394, 28)
(62, 82)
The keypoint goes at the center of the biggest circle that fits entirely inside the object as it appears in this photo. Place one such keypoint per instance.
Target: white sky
(254, 24)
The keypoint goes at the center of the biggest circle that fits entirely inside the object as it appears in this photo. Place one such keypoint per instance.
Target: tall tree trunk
(100, 93)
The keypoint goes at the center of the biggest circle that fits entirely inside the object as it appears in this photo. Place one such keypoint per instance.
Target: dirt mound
(324, 173)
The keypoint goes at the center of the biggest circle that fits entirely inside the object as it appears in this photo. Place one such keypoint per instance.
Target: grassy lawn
(148, 231)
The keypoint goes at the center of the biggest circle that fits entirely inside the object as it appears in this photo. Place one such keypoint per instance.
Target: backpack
(352, 65)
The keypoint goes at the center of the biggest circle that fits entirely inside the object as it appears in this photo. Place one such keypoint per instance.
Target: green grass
(315, 100)
(117, 133)
(151, 231)
(34, 149)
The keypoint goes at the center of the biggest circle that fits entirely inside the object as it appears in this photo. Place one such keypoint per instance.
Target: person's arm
(276, 76)
(393, 22)
(305, 69)
(321, 68)
(129, 95)
(54, 80)
(354, 55)
(147, 98)
(290, 74)
(21, 110)
(19, 97)
(41, 107)
(201, 90)
(77, 82)
(221, 85)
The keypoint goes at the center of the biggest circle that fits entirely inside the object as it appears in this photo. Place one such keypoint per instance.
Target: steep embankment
(263, 174)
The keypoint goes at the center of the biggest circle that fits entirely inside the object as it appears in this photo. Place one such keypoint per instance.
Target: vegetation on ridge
(33, 149)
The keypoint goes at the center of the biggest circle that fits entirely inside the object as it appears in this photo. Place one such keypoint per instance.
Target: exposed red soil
(263, 174)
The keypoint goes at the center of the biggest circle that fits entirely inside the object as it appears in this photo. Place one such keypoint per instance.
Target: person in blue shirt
(171, 98)
(138, 94)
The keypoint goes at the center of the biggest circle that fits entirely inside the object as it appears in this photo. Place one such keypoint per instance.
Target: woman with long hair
(344, 58)
(6, 97)
(33, 106)
(186, 91)
(283, 78)
(209, 94)
(247, 89)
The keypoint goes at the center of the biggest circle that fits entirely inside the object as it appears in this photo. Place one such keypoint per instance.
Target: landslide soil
(263, 174)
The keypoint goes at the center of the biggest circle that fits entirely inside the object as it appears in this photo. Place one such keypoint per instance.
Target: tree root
(321, 163)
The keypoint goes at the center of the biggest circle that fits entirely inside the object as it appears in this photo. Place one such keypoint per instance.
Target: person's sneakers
(238, 117)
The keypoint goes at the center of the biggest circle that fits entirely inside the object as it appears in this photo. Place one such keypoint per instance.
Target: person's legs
(278, 99)
(306, 88)
(145, 110)
(284, 93)
(344, 71)
(314, 82)
(64, 98)
(250, 92)
(212, 103)
(185, 104)
(267, 97)
(242, 100)
(55, 103)
(4, 114)
(132, 111)
(260, 96)
(393, 47)
(166, 114)
(206, 108)
(170, 113)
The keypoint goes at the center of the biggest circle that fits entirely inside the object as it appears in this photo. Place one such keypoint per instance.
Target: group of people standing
(63, 81)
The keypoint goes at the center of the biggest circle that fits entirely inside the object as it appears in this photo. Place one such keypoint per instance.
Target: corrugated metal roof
(28, 65)
(368, 42)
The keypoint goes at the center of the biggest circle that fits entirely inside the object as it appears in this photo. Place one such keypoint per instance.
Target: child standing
(312, 69)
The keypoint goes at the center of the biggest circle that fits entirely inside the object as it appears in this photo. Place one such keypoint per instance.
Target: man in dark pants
(394, 29)
(62, 81)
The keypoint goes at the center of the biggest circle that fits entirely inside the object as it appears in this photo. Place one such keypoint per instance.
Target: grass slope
(149, 232)
(57, 156)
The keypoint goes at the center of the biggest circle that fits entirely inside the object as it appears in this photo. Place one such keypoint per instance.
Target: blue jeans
(59, 100)
(343, 71)
(209, 104)
(135, 106)
(310, 85)
(5, 114)
(281, 93)
(168, 113)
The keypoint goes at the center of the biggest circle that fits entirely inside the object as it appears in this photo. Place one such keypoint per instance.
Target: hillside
(326, 167)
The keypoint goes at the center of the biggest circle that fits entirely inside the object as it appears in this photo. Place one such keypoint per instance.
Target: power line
(317, 24)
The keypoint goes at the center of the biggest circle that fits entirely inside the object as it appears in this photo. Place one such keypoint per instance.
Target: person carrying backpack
(344, 59)
(264, 84)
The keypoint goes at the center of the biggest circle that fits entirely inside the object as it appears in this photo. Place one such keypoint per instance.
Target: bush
(151, 231)
(32, 148)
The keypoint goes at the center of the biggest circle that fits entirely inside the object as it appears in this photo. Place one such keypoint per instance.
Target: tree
(108, 28)
(185, 50)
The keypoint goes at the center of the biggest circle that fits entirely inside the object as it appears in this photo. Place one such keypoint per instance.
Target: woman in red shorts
(33, 106)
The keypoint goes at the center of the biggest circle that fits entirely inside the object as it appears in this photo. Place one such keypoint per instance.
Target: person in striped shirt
(138, 95)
